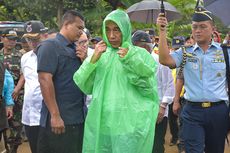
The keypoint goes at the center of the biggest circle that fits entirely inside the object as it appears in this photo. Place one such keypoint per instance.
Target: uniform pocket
(218, 66)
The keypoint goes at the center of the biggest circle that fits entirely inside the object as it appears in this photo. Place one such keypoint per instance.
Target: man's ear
(66, 24)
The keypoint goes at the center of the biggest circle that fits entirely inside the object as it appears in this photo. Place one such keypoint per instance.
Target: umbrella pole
(162, 11)
(162, 8)
(151, 16)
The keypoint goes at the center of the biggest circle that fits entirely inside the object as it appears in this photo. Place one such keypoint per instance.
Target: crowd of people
(71, 93)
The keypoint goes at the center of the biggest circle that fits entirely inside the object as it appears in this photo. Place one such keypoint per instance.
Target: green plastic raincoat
(124, 107)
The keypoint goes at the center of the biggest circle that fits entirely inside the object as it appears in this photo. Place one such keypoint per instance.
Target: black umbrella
(219, 8)
(147, 11)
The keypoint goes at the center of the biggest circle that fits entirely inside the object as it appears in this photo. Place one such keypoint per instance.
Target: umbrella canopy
(219, 8)
(147, 11)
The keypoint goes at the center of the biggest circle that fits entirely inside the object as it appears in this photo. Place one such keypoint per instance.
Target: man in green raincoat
(121, 78)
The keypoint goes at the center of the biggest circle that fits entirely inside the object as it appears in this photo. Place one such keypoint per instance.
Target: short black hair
(70, 16)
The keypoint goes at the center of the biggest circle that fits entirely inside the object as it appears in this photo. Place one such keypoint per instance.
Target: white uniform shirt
(32, 94)
(166, 87)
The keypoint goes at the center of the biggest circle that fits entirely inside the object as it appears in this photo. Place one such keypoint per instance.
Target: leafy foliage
(50, 12)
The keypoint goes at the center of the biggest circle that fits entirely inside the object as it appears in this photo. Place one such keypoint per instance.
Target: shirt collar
(65, 42)
(213, 44)
(31, 53)
(62, 39)
(72, 45)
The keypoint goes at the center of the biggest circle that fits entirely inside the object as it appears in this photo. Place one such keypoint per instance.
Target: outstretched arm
(164, 57)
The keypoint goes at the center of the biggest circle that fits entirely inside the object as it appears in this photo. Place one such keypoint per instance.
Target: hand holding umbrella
(162, 22)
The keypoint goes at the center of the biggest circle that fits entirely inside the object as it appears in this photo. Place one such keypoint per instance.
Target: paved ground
(24, 148)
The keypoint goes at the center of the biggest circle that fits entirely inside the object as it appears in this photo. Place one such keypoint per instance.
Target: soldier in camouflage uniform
(11, 59)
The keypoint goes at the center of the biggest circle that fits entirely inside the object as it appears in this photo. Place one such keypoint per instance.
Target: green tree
(96, 15)
(48, 11)
(182, 27)
(51, 11)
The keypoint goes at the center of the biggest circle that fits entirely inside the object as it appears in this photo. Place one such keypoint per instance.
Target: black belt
(205, 104)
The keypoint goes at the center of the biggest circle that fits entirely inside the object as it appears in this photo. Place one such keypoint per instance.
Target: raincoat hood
(122, 20)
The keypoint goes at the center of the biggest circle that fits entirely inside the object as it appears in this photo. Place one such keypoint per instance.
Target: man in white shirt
(166, 90)
(32, 97)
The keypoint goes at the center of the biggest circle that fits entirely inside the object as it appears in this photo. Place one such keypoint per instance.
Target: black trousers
(159, 139)
(181, 140)
(205, 129)
(69, 142)
(173, 124)
(32, 135)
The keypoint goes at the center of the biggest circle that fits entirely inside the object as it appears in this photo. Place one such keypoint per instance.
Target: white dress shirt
(32, 94)
(166, 87)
